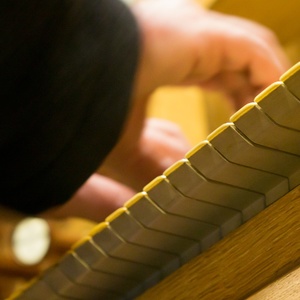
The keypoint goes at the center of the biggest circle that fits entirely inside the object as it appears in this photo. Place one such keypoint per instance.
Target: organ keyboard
(242, 168)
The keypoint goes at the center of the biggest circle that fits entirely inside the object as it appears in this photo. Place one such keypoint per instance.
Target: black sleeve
(67, 69)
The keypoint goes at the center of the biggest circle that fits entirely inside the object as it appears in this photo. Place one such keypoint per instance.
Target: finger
(259, 54)
(95, 200)
(265, 34)
(235, 86)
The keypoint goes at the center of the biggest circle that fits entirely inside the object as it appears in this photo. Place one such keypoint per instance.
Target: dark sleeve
(67, 69)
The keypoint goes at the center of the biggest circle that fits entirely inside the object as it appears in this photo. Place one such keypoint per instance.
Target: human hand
(182, 43)
(160, 144)
(95, 200)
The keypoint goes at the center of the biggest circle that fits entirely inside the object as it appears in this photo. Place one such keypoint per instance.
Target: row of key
(240, 169)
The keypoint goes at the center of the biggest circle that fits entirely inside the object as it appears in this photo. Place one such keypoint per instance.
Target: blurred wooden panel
(197, 112)
(287, 288)
(280, 16)
(184, 106)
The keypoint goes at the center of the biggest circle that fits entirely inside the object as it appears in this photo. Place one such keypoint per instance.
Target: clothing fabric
(67, 69)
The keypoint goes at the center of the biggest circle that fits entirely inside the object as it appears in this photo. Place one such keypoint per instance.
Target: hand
(182, 43)
(95, 200)
(186, 44)
(136, 163)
